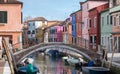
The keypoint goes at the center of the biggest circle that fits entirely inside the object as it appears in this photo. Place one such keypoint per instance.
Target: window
(33, 32)
(72, 28)
(95, 38)
(90, 22)
(33, 24)
(91, 39)
(107, 19)
(111, 20)
(114, 21)
(28, 24)
(3, 16)
(102, 40)
(119, 43)
(55, 30)
(102, 20)
(115, 40)
(95, 22)
(28, 32)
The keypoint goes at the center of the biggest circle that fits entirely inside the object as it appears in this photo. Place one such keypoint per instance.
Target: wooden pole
(9, 58)
(112, 54)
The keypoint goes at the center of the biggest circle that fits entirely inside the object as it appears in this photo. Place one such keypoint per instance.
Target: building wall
(116, 31)
(94, 30)
(115, 13)
(73, 25)
(85, 15)
(31, 28)
(106, 29)
(55, 34)
(78, 27)
(73, 28)
(13, 27)
(78, 23)
(69, 27)
(33, 25)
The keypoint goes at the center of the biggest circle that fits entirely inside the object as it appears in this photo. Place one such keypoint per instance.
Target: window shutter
(5, 17)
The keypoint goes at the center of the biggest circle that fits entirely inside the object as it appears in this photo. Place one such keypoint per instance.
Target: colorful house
(94, 26)
(11, 26)
(54, 32)
(66, 31)
(106, 29)
(86, 6)
(73, 15)
(115, 13)
(78, 27)
(34, 33)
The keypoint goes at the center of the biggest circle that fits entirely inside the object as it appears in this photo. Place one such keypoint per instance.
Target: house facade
(66, 31)
(94, 26)
(86, 6)
(11, 26)
(78, 27)
(55, 33)
(73, 15)
(115, 13)
(106, 30)
(34, 34)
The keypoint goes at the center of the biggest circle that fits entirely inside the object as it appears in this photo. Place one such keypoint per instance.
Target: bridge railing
(23, 52)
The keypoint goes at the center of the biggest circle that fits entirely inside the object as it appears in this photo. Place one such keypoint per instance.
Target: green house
(105, 30)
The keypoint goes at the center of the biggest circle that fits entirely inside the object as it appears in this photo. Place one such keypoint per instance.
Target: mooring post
(9, 57)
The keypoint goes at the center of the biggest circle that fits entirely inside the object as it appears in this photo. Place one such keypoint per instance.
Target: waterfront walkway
(4, 67)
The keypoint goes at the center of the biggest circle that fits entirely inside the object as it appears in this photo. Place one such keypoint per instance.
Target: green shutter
(3, 16)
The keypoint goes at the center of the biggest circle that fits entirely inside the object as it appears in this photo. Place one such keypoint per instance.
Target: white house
(33, 25)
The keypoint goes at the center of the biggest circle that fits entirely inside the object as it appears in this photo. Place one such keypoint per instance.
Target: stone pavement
(4, 67)
(2, 63)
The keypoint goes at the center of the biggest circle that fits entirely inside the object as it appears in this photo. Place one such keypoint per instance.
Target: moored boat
(23, 70)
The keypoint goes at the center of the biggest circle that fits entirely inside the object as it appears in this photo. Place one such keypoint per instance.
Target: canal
(49, 65)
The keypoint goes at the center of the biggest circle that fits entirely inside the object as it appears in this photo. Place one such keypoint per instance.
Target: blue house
(73, 28)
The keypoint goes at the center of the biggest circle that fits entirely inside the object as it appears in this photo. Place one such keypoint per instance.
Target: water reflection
(48, 65)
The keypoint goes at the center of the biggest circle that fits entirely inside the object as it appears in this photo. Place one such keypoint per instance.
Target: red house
(94, 26)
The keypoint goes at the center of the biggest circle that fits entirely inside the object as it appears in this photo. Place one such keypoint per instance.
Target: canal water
(49, 65)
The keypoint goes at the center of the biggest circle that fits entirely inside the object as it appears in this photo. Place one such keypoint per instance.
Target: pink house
(55, 32)
(10, 22)
(86, 6)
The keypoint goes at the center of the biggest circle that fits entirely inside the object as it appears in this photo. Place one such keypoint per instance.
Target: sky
(50, 9)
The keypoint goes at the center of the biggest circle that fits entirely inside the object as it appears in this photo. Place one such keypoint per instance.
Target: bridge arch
(48, 46)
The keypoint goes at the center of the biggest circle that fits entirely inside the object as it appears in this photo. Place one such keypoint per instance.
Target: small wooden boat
(70, 60)
(64, 59)
(95, 70)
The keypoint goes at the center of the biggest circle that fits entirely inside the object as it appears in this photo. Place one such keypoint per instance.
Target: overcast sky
(50, 9)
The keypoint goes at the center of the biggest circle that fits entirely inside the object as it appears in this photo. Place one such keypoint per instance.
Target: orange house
(10, 22)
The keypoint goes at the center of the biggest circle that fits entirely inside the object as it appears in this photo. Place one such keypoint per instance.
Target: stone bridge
(20, 55)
